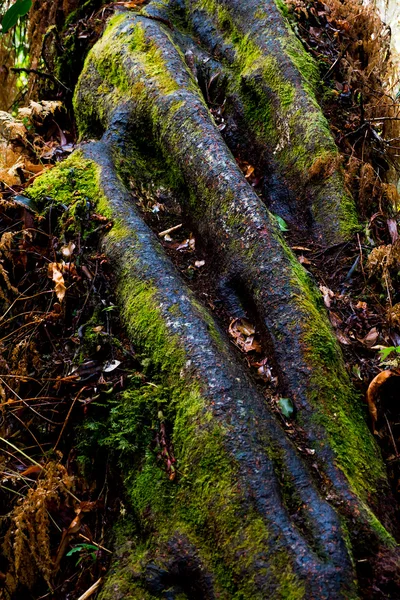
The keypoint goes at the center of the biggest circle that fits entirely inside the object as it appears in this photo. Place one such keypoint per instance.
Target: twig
(21, 452)
(19, 329)
(329, 71)
(40, 74)
(28, 406)
(361, 255)
(95, 543)
(91, 590)
(69, 414)
(170, 230)
(382, 119)
(391, 435)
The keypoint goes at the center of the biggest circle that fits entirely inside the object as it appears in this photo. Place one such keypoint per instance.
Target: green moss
(337, 406)
(251, 60)
(151, 58)
(288, 119)
(107, 58)
(72, 180)
(207, 503)
(70, 186)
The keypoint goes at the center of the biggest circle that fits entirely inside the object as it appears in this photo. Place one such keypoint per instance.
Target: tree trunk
(257, 509)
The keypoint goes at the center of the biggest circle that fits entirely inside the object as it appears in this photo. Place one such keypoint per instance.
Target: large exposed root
(139, 94)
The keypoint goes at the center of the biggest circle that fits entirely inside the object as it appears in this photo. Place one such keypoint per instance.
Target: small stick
(95, 543)
(361, 255)
(391, 435)
(170, 230)
(91, 590)
(85, 387)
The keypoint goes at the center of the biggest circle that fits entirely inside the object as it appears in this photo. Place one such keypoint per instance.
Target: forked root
(241, 476)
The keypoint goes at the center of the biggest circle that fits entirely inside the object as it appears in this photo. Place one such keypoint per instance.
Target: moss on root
(338, 408)
(297, 130)
(206, 503)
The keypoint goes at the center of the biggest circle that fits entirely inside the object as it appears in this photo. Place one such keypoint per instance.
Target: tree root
(246, 499)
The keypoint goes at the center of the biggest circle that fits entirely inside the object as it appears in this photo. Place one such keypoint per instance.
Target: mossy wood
(246, 517)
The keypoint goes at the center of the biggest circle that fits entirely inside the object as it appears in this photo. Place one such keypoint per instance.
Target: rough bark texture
(247, 516)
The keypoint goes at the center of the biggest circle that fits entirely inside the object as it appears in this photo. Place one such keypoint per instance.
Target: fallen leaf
(392, 226)
(241, 326)
(264, 371)
(327, 294)
(361, 305)
(33, 470)
(373, 392)
(243, 334)
(54, 272)
(286, 407)
(111, 366)
(249, 171)
(371, 338)
(251, 344)
(304, 261)
(342, 337)
(74, 527)
(68, 250)
(301, 249)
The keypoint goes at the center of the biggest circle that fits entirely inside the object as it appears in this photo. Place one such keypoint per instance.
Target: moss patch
(338, 408)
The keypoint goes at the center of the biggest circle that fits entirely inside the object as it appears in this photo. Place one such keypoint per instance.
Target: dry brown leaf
(249, 171)
(74, 527)
(327, 294)
(188, 244)
(392, 226)
(68, 250)
(301, 249)
(373, 392)
(303, 260)
(32, 470)
(54, 272)
(251, 344)
(264, 371)
(243, 334)
(371, 338)
(10, 128)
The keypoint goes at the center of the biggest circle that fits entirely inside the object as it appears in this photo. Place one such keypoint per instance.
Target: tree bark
(250, 514)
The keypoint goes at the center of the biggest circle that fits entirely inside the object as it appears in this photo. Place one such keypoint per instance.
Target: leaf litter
(359, 280)
(62, 350)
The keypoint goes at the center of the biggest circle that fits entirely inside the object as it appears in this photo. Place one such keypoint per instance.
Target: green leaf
(286, 407)
(19, 9)
(281, 223)
(26, 203)
(80, 547)
(384, 352)
(109, 308)
(74, 550)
